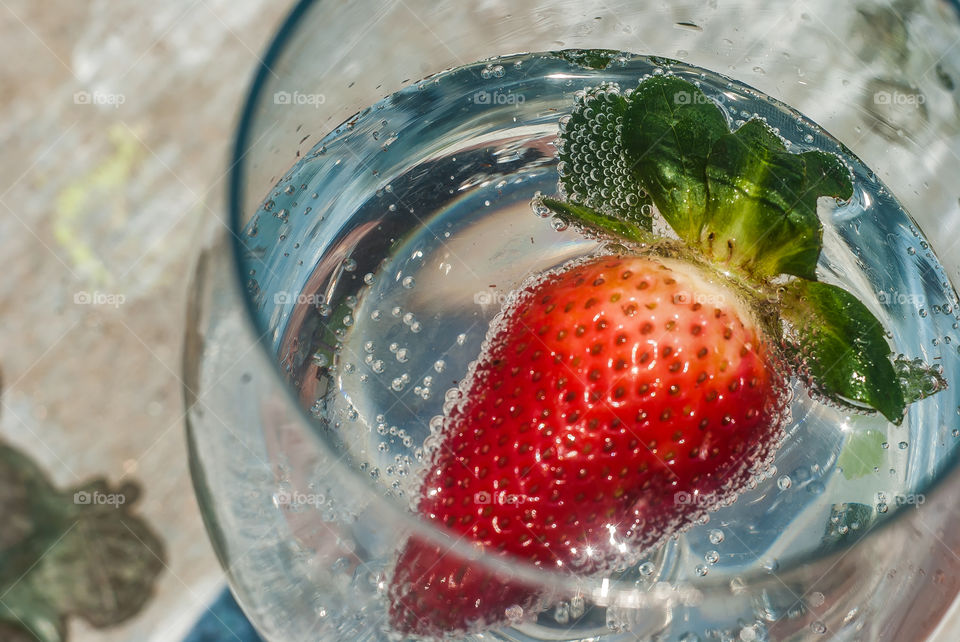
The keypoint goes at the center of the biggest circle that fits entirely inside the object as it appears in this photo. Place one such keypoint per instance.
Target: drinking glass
(307, 502)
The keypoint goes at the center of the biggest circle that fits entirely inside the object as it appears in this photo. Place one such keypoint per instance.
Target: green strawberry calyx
(741, 202)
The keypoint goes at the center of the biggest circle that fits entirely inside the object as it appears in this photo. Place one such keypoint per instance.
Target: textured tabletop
(117, 117)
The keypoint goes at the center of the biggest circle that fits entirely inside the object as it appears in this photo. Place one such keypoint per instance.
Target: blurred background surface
(117, 118)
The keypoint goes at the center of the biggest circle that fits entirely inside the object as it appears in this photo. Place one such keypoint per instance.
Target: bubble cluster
(592, 168)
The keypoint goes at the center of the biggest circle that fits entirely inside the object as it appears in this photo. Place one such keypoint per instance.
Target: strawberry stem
(744, 203)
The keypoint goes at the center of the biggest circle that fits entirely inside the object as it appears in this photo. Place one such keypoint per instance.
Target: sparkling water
(381, 257)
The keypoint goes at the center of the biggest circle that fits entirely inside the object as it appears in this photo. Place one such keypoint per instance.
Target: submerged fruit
(617, 400)
(622, 396)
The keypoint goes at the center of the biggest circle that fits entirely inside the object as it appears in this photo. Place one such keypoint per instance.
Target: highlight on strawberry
(618, 392)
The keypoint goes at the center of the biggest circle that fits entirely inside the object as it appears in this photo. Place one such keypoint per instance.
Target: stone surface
(117, 119)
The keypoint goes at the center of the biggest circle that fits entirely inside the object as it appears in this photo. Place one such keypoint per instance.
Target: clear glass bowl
(306, 536)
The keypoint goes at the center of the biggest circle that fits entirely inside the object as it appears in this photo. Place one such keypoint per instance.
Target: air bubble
(716, 536)
(711, 557)
(561, 614)
(577, 606)
(541, 210)
(784, 482)
(439, 365)
(646, 569)
(902, 445)
(701, 570)
(349, 265)
(403, 355)
(408, 282)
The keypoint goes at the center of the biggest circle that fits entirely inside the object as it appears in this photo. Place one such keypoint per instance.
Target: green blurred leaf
(862, 452)
(80, 552)
(848, 522)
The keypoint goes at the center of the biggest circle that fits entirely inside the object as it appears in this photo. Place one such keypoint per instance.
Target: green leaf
(917, 379)
(596, 223)
(762, 211)
(669, 129)
(79, 552)
(592, 171)
(848, 522)
(862, 453)
(842, 349)
(589, 58)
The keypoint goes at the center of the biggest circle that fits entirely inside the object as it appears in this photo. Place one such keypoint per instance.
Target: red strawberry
(616, 401)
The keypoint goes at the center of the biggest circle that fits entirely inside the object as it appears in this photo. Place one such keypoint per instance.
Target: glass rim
(595, 586)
